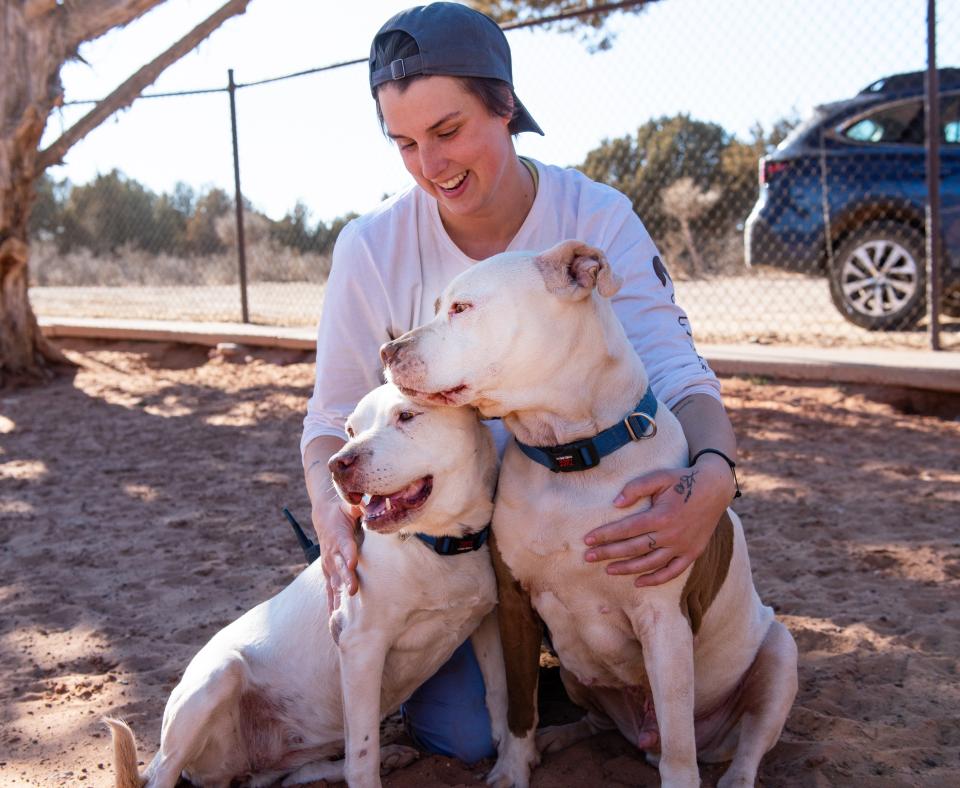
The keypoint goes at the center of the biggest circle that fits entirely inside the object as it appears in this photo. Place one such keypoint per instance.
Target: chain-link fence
(778, 223)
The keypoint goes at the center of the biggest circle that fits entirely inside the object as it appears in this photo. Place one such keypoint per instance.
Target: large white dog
(533, 339)
(278, 691)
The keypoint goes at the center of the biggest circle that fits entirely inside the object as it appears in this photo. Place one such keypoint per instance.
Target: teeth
(367, 497)
(389, 505)
(453, 183)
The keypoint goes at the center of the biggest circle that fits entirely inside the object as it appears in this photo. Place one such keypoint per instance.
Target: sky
(316, 138)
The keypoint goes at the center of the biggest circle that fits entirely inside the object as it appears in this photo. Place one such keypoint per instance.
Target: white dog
(278, 691)
(533, 339)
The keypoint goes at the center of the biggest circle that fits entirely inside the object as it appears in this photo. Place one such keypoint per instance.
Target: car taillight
(770, 168)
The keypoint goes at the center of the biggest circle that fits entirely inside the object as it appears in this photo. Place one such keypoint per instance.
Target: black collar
(583, 454)
(442, 545)
(454, 545)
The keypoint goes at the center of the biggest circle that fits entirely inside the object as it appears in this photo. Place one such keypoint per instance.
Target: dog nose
(340, 463)
(389, 350)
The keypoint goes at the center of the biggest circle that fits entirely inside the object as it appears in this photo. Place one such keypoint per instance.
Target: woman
(442, 81)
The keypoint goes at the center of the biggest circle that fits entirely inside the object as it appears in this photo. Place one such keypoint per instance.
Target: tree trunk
(696, 261)
(30, 57)
(36, 38)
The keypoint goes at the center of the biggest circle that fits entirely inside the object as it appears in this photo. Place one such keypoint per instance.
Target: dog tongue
(376, 504)
(412, 490)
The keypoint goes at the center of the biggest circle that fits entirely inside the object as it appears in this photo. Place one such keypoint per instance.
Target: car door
(877, 161)
(950, 184)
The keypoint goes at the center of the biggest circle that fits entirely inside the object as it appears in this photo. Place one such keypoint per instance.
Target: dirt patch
(140, 512)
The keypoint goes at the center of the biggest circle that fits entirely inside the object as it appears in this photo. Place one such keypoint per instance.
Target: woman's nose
(432, 162)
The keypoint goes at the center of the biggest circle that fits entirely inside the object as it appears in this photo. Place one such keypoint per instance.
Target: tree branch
(128, 92)
(92, 18)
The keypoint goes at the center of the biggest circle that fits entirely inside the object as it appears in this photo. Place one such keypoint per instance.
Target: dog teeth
(389, 505)
(367, 497)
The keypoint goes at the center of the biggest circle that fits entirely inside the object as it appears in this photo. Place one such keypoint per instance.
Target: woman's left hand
(660, 543)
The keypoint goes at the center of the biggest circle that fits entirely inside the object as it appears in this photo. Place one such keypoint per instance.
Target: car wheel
(878, 277)
(951, 303)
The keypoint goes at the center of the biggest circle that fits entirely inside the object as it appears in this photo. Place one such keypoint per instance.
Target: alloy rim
(879, 278)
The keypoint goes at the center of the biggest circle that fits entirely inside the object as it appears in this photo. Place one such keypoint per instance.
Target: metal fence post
(238, 199)
(933, 178)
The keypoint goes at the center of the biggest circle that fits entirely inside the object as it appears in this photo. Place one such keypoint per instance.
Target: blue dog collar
(584, 454)
(454, 545)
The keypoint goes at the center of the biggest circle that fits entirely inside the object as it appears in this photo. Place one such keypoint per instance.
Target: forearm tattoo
(685, 485)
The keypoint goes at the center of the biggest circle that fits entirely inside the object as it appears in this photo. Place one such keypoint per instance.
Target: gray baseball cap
(453, 41)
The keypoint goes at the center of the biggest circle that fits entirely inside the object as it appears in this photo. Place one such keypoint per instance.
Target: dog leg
(554, 738)
(768, 695)
(392, 756)
(362, 657)
(667, 643)
(514, 760)
(596, 719)
(519, 638)
(186, 721)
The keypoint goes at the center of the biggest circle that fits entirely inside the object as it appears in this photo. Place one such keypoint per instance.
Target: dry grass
(266, 262)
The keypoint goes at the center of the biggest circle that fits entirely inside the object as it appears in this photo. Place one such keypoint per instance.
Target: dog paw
(396, 756)
(501, 780)
(516, 760)
(735, 779)
(330, 771)
(558, 737)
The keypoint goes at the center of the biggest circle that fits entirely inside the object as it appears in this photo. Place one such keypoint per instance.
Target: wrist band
(731, 463)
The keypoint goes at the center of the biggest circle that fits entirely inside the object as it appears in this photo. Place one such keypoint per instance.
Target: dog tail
(124, 754)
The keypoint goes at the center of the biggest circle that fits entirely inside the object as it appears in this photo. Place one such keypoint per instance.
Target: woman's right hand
(337, 523)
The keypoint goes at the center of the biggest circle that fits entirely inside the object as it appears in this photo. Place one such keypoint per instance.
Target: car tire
(878, 277)
(951, 303)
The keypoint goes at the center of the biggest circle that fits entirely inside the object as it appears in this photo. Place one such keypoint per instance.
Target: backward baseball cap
(454, 41)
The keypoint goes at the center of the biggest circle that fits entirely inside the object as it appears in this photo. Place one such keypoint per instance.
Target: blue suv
(844, 195)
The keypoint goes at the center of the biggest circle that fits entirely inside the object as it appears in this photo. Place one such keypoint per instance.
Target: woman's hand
(334, 520)
(337, 524)
(661, 542)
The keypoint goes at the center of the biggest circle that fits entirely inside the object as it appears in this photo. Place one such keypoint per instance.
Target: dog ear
(572, 269)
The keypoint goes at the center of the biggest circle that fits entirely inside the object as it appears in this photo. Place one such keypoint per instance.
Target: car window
(950, 120)
(895, 123)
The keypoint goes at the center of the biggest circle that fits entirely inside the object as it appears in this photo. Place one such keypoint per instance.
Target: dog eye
(459, 306)
(349, 431)
(406, 415)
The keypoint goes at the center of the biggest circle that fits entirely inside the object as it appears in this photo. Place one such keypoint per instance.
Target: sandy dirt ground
(140, 512)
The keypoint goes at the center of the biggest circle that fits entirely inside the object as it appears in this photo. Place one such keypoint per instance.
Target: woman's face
(452, 146)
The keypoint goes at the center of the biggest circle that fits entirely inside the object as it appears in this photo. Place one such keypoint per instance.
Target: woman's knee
(448, 714)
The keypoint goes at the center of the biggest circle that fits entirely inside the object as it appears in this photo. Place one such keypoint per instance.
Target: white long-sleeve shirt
(390, 265)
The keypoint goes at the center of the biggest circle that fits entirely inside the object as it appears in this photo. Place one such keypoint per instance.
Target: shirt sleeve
(646, 305)
(352, 328)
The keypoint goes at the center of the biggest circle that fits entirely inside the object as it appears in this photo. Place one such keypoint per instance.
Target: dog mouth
(383, 510)
(444, 397)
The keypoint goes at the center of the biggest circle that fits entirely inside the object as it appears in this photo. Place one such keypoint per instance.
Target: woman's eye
(406, 415)
(446, 134)
(407, 145)
(457, 307)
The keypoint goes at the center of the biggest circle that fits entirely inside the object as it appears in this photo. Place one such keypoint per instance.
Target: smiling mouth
(381, 511)
(453, 184)
(445, 397)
